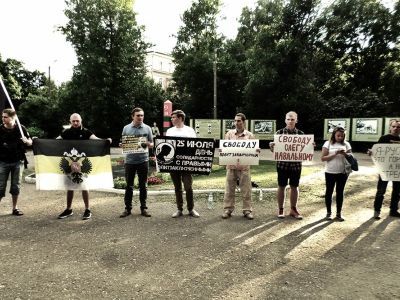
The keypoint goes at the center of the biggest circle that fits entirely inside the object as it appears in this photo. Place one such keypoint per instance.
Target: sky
(29, 30)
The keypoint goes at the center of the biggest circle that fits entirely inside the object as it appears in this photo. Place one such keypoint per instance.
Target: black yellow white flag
(72, 164)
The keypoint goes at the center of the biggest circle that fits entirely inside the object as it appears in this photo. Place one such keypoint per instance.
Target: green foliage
(197, 41)
(109, 79)
(36, 132)
(336, 61)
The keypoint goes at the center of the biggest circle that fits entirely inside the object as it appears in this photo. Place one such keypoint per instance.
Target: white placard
(293, 147)
(386, 158)
(239, 152)
(133, 144)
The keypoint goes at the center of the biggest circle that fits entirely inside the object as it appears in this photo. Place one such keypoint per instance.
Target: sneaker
(227, 214)
(248, 215)
(339, 218)
(194, 214)
(377, 215)
(295, 214)
(177, 214)
(328, 216)
(144, 213)
(281, 213)
(395, 214)
(87, 214)
(65, 214)
(125, 213)
(17, 212)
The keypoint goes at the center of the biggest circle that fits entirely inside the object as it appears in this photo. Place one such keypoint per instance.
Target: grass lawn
(264, 175)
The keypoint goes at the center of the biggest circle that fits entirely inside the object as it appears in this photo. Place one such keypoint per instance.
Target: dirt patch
(206, 258)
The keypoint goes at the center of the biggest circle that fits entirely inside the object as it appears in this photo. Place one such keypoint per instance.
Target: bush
(36, 131)
(119, 182)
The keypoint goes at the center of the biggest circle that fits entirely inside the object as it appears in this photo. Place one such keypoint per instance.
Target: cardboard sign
(239, 152)
(386, 158)
(179, 154)
(291, 147)
(133, 144)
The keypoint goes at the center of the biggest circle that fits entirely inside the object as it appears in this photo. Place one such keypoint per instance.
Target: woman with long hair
(334, 153)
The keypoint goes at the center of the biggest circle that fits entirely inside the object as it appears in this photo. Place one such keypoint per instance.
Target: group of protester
(14, 139)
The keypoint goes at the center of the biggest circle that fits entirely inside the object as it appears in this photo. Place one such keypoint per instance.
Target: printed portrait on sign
(165, 152)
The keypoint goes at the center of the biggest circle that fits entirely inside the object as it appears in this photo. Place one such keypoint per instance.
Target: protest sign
(179, 154)
(290, 147)
(386, 158)
(239, 152)
(133, 144)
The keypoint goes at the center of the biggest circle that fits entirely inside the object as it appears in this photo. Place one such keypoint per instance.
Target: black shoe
(395, 214)
(17, 212)
(144, 213)
(65, 214)
(339, 218)
(125, 213)
(87, 214)
(376, 215)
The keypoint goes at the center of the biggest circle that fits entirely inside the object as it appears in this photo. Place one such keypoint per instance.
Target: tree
(359, 39)
(197, 41)
(110, 76)
(280, 58)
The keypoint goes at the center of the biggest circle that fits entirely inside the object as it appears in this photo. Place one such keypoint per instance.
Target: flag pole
(12, 106)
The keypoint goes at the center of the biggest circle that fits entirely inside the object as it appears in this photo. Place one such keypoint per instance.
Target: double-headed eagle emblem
(75, 165)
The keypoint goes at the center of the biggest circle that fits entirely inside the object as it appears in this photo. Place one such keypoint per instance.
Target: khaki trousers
(245, 187)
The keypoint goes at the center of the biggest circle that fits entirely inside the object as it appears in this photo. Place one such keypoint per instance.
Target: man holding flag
(77, 132)
(12, 155)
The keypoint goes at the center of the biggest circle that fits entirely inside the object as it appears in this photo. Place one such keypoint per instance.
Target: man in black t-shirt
(393, 137)
(77, 132)
(12, 156)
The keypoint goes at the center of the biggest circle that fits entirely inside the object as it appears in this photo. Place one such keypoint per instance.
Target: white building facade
(160, 67)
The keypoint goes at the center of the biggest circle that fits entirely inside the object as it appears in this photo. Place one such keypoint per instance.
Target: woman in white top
(334, 153)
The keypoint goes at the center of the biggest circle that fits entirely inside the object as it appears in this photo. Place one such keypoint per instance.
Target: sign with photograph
(386, 158)
(179, 154)
(291, 147)
(366, 129)
(239, 152)
(134, 144)
(331, 124)
(208, 128)
(228, 124)
(263, 129)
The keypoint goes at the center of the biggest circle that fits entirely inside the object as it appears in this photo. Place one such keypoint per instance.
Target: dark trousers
(186, 178)
(130, 172)
(380, 193)
(340, 181)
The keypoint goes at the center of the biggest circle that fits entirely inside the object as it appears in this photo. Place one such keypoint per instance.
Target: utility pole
(49, 84)
(215, 84)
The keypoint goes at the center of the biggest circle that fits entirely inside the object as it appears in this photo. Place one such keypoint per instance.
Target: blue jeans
(15, 169)
(130, 172)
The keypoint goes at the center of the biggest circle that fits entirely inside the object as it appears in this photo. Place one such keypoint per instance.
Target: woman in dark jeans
(334, 153)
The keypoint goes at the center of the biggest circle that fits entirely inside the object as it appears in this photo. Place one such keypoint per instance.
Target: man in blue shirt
(137, 162)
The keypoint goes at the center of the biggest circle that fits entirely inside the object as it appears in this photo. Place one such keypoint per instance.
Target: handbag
(352, 161)
(347, 167)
